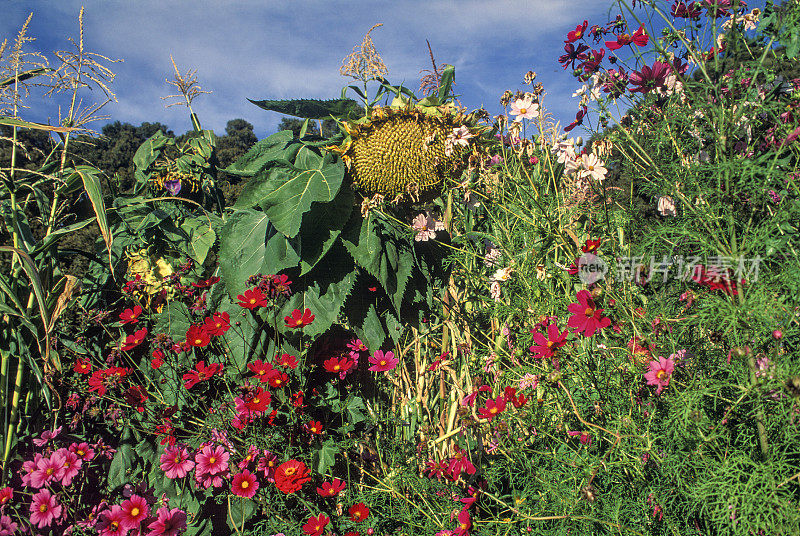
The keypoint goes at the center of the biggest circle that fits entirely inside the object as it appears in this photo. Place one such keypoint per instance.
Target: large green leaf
(148, 152)
(291, 189)
(321, 226)
(383, 253)
(201, 237)
(242, 248)
(324, 457)
(122, 462)
(174, 319)
(280, 254)
(278, 147)
(313, 108)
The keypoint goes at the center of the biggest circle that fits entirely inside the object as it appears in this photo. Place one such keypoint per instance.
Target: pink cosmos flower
(586, 317)
(70, 465)
(382, 362)
(46, 471)
(46, 437)
(168, 522)
(44, 509)
(175, 462)
(660, 372)
(83, 450)
(426, 227)
(213, 461)
(111, 522)
(464, 523)
(244, 484)
(134, 511)
(7, 526)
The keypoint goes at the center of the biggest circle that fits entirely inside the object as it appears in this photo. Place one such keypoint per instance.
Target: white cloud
(294, 49)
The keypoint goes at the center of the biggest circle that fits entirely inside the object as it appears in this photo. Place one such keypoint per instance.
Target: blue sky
(263, 49)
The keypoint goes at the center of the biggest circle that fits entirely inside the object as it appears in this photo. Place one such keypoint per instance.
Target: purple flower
(47, 436)
(173, 186)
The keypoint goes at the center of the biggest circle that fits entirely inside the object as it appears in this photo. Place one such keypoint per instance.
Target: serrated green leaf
(324, 300)
(122, 461)
(313, 108)
(148, 151)
(201, 238)
(279, 255)
(321, 226)
(279, 146)
(240, 511)
(173, 319)
(291, 190)
(372, 331)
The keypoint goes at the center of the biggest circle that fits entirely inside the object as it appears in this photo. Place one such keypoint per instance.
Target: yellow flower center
(493, 411)
(589, 311)
(178, 459)
(135, 511)
(290, 471)
(43, 508)
(212, 459)
(523, 111)
(382, 363)
(661, 373)
(336, 368)
(49, 471)
(245, 484)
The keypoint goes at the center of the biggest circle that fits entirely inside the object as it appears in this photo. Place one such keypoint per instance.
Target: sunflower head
(404, 149)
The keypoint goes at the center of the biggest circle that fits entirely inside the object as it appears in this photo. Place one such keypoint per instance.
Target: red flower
(132, 341)
(546, 346)
(206, 283)
(202, 373)
(104, 379)
(286, 360)
(315, 427)
(130, 316)
(331, 489)
(358, 512)
(259, 401)
(197, 336)
(573, 54)
(650, 78)
(316, 525)
(338, 365)
(218, 324)
(262, 370)
(158, 359)
(136, 396)
(578, 119)
(83, 365)
(591, 245)
(299, 318)
(278, 379)
(493, 408)
(511, 396)
(639, 38)
(244, 484)
(681, 10)
(252, 298)
(586, 317)
(578, 33)
(290, 476)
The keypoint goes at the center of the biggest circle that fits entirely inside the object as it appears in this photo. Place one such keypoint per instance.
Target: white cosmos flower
(592, 167)
(524, 109)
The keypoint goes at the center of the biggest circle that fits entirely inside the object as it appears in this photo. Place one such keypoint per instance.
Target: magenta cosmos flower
(212, 460)
(660, 372)
(112, 522)
(382, 362)
(586, 317)
(168, 522)
(44, 509)
(545, 347)
(175, 462)
(244, 484)
(134, 511)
